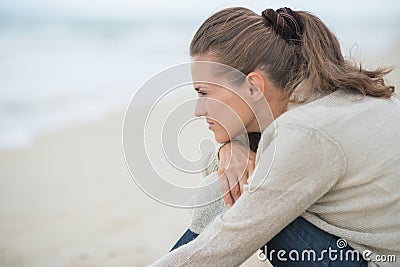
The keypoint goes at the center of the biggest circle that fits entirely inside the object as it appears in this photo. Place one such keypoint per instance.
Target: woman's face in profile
(226, 113)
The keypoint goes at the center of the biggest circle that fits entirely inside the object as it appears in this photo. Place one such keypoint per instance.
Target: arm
(234, 167)
(204, 215)
(307, 163)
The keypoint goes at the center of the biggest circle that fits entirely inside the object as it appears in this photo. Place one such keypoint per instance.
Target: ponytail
(324, 68)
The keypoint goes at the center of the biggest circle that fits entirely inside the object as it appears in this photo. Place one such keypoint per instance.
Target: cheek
(228, 122)
(243, 113)
(246, 114)
(229, 111)
(212, 107)
(232, 114)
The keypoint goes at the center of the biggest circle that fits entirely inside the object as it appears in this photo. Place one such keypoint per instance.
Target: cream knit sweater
(334, 161)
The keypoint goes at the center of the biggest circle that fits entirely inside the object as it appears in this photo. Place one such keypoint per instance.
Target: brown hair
(246, 41)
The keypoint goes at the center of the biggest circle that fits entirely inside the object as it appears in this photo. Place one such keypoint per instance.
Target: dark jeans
(302, 244)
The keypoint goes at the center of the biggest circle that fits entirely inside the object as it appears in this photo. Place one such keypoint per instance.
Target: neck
(267, 111)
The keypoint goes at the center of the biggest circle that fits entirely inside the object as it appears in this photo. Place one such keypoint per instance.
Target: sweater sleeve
(211, 194)
(297, 167)
(211, 164)
(204, 215)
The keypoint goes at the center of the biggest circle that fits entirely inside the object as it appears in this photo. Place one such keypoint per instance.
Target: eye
(200, 93)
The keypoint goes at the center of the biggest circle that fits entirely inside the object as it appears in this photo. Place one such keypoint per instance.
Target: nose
(200, 109)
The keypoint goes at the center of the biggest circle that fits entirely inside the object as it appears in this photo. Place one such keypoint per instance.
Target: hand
(236, 164)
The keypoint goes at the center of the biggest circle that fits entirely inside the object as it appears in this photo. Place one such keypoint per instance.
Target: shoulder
(339, 111)
(349, 124)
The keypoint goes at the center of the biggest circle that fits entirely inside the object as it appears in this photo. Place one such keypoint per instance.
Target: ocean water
(66, 63)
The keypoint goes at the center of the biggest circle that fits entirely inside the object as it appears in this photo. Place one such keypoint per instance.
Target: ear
(257, 85)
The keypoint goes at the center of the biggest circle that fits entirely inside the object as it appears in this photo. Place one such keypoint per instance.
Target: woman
(335, 160)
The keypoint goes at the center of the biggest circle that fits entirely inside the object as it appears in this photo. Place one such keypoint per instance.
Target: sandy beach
(69, 200)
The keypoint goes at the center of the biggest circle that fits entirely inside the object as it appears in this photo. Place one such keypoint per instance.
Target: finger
(250, 167)
(224, 184)
(222, 166)
(242, 181)
(235, 190)
(244, 175)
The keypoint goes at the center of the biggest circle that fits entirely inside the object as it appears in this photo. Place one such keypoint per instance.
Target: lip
(210, 124)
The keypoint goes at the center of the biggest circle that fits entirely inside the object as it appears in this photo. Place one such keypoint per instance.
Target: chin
(221, 138)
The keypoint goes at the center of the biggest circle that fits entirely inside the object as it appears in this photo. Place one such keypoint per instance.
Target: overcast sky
(189, 7)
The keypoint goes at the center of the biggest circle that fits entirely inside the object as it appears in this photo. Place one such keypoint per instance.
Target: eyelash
(201, 93)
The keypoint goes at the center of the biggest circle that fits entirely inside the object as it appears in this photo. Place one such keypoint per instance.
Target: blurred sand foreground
(69, 201)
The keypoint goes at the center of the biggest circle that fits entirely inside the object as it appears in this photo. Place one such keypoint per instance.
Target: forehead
(214, 73)
(203, 71)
